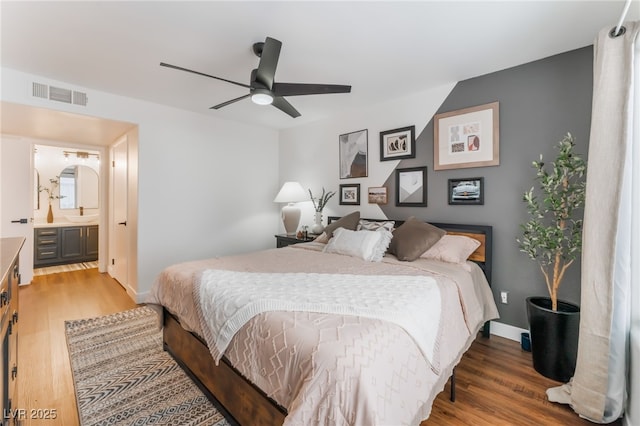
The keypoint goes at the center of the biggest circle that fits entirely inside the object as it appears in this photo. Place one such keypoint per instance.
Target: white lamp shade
(291, 192)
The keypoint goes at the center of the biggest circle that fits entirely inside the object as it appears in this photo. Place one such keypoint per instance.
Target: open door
(119, 264)
(16, 198)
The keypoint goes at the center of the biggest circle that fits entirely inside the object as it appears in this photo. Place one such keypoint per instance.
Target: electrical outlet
(504, 296)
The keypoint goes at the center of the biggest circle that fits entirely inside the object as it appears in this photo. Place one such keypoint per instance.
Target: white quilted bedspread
(331, 369)
(229, 299)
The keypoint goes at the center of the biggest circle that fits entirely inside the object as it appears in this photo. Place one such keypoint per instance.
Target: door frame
(131, 281)
(8, 229)
(114, 218)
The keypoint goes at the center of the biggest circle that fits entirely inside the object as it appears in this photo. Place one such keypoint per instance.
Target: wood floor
(44, 374)
(495, 382)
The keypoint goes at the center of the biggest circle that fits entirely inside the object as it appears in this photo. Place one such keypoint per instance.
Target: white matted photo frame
(411, 187)
(354, 149)
(377, 195)
(466, 191)
(350, 194)
(467, 137)
(398, 144)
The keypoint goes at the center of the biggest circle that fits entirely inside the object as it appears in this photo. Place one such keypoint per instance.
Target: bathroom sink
(83, 219)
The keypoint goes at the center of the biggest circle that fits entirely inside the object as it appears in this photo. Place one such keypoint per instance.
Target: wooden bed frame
(238, 399)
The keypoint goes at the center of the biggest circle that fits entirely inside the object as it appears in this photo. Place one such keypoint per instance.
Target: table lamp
(291, 192)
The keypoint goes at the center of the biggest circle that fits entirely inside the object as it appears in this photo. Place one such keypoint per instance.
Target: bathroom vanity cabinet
(65, 244)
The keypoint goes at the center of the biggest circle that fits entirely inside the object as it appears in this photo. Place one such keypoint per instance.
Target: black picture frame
(354, 153)
(411, 187)
(350, 194)
(398, 144)
(466, 191)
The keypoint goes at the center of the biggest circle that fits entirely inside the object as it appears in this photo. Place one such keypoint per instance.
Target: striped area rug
(122, 375)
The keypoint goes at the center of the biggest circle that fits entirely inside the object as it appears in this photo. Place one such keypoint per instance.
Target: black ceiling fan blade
(284, 106)
(298, 89)
(224, 104)
(268, 62)
(175, 67)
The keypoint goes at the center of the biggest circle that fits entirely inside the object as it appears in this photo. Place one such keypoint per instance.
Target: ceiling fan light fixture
(262, 97)
(263, 90)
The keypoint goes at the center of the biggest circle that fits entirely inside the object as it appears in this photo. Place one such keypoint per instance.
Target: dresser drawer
(48, 252)
(46, 232)
(46, 240)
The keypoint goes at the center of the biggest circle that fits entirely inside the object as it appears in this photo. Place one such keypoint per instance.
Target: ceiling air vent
(40, 90)
(80, 98)
(58, 94)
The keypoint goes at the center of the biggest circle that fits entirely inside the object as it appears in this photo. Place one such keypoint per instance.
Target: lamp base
(290, 218)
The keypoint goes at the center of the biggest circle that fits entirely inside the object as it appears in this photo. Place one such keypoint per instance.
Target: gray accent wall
(539, 103)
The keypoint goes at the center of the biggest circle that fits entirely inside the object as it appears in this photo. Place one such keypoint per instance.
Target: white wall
(205, 185)
(309, 154)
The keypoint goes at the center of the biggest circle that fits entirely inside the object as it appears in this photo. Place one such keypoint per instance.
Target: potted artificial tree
(553, 237)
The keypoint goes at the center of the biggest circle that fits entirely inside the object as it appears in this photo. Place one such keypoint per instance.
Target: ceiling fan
(263, 90)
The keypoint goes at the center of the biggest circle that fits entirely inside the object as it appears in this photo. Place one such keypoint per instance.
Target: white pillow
(452, 249)
(367, 245)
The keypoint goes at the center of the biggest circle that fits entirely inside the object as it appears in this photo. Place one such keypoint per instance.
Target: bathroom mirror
(78, 187)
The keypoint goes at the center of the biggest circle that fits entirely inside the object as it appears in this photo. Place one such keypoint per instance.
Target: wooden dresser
(10, 269)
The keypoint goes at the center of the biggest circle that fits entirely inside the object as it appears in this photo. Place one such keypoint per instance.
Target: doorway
(29, 125)
(66, 207)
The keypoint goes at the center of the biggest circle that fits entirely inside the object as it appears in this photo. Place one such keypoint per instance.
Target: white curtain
(633, 404)
(611, 235)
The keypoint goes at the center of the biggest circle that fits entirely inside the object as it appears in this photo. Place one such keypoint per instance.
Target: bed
(284, 366)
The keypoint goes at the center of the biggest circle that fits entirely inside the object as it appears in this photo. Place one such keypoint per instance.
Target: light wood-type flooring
(496, 384)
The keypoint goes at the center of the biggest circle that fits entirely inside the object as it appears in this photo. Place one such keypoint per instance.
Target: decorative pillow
(413, 238)
(367, 245)
(369, 225)
(349, 221)
(452, 248)
(322, 238)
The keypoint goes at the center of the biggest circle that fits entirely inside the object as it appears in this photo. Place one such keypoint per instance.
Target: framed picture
(466, 191)
(350, 194)
(377, 195)
(398, 143)
(354, 147)
(411, 187)
(467, 138)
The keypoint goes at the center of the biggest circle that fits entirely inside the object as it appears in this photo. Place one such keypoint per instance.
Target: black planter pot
(554, 337)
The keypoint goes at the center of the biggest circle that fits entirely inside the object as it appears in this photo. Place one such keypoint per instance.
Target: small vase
(317, 227)
(50, 215)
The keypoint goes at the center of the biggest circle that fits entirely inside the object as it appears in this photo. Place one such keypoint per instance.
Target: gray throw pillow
(349, 222)
(413, 238)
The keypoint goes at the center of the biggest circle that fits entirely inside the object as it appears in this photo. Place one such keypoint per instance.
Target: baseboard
(141, 297)
(507, 331)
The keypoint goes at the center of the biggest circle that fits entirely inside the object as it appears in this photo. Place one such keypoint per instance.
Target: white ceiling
(384, 49)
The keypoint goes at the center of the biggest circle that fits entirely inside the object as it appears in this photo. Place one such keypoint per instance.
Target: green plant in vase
(319, 204)
(553, 234)
(51, 194)
(553, 238)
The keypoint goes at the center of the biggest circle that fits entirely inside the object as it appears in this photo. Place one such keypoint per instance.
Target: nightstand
(283, 240)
